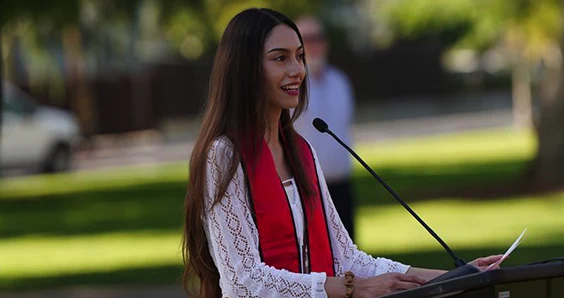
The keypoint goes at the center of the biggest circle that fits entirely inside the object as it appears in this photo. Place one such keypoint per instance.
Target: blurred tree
(28, 28)
(35, 25)
(526, 31)
(549, 163)
(58, 11)
(195, 27)
(82, 98)
(69, 25)
(1, 93)
(64, 45)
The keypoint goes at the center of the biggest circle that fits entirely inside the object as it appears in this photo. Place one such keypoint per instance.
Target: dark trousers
(342, 195)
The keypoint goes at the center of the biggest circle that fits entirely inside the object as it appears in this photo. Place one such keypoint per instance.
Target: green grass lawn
(124, 226)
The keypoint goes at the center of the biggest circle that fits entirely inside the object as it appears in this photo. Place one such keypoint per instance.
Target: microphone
(462, 268)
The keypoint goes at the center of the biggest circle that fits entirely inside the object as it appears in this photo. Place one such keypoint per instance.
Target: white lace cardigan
(233, 241)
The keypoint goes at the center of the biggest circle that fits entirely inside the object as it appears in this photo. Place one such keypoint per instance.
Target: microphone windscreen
(320, 125)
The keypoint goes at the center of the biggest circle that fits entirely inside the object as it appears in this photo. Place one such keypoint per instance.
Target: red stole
(278, 242)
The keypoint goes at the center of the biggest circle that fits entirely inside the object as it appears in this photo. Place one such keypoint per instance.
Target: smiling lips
(292, 89)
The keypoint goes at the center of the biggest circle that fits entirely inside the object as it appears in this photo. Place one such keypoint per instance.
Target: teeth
(291, 87)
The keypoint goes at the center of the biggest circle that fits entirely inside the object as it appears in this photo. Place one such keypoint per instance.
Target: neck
(272, 134)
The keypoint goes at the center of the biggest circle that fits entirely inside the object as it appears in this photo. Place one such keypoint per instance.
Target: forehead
(282, 37)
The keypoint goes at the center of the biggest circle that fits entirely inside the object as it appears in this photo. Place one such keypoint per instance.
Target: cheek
(271, 74)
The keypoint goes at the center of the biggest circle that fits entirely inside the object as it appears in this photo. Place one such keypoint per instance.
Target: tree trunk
(81, 97)
(1, 95)
(548, 169)
(521, 93)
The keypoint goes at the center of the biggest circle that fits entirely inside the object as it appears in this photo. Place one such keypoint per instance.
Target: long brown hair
(235, 107)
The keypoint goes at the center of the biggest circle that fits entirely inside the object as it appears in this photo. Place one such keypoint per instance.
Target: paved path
(382, 131)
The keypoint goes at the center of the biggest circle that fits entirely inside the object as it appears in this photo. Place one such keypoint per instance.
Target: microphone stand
(462, 268)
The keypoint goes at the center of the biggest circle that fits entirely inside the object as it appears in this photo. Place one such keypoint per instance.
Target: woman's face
(283, 66)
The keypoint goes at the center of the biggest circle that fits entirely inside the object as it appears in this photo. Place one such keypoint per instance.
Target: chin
(284, 101)
(293, 104)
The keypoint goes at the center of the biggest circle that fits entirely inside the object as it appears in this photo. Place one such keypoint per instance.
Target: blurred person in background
(259, 219)
(331, 99)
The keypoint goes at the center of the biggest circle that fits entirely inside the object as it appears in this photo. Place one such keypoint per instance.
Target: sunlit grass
(119, 225)
(450, 149)
(65, 183)
(41, 256)
(463, 224)
(381, 230)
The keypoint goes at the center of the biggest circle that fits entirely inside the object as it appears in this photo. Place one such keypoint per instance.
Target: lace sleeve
(346, 254)
(233, 241)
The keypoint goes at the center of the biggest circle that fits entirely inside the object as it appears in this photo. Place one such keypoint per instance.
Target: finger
(404, 285)
(492, 259)
(488, 260)
(411, 278)
(490, 266)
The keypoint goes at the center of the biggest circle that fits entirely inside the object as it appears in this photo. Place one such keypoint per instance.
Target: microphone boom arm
(462, 269)
(458, 261)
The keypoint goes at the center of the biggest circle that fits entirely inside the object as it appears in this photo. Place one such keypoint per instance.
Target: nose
(296, 68)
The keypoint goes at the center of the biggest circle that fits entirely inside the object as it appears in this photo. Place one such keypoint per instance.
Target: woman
(259, 218)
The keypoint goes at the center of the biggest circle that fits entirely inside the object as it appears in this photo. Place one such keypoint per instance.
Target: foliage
(59, 11)
(531, 25)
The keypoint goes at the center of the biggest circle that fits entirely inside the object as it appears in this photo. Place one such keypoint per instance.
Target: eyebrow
(284, 50)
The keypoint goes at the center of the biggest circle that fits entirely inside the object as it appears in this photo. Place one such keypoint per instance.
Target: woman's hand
(485, 262)
(385, 284)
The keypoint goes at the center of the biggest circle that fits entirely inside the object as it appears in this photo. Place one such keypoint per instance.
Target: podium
(538, 281)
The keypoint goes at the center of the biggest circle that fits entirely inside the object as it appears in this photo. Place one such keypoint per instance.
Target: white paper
(511, 248)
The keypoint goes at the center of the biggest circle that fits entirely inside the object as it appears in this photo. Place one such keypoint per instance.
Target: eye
(280, 58)
(301, 57)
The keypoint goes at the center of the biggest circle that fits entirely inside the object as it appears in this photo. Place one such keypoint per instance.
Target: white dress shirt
(331, 99)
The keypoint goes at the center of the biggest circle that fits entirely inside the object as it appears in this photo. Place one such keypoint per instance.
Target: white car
(35, 137)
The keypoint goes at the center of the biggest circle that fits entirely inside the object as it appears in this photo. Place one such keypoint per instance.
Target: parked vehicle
(35, 137)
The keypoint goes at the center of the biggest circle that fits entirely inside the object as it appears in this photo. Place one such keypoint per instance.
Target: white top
(233, 241)
(331, 99)
(297, 211)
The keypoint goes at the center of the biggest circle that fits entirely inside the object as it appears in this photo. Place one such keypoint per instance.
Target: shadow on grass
(471, 181)
(171, 275)
(158, 206)
(144, 276)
